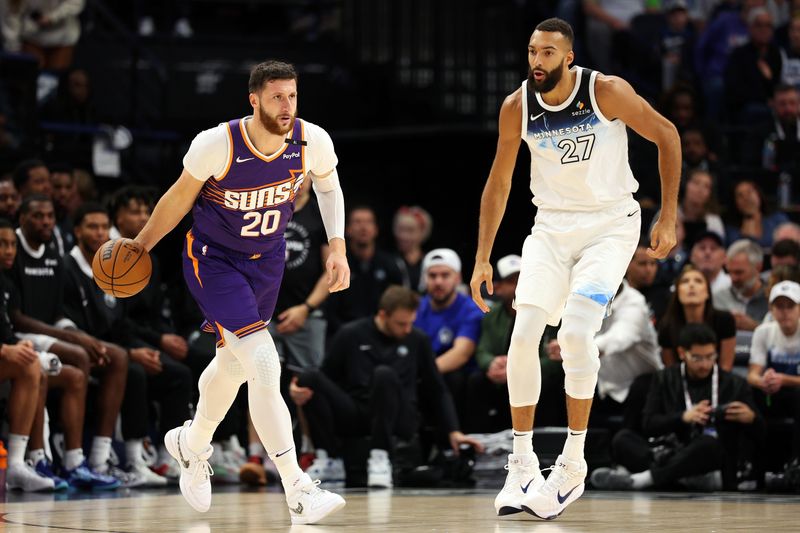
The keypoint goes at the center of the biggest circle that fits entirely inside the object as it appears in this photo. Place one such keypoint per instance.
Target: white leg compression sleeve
(523, 369)
(219, 384)
(580, 322)
(259, 357)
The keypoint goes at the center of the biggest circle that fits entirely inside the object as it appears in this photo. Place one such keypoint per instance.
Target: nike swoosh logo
(284, 452)
(631, 214)
(525, 488)
(562, 499)
(180, 451)
(240, 160)
(537, 116)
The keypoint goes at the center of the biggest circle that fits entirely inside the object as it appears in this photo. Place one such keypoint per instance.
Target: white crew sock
(573, 447)
(523, 442)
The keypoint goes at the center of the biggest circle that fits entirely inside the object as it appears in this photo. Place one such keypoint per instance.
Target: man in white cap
(775, 359)
(450, 319)
(487, 393)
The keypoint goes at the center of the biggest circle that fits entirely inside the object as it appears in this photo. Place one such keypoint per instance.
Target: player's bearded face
(275, 123)
(549, 79)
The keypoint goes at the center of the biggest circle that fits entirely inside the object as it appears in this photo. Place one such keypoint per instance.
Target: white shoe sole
(320, 514)
(576, 493)
(171, 443)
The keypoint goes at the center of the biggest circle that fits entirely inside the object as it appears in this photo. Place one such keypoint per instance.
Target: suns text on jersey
(269, 196)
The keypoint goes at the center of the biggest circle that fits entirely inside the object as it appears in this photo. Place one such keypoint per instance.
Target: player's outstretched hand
(482, 274)
(338, 272)
(662, 238)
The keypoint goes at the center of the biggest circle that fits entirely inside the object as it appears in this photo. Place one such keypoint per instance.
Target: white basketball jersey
(579, 159)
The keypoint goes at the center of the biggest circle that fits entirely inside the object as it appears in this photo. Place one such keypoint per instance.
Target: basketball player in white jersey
(586, 230)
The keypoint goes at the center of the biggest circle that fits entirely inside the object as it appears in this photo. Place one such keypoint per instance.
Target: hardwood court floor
(401, 510)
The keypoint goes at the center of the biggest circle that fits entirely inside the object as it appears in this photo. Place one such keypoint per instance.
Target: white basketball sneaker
(196, 473)
(24, 476)
(308, 504)
(379, 470)
(523, 478)
(563, 486)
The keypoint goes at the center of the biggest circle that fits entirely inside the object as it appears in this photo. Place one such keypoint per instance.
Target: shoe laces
(202, 471)
(517, 472)
(558, 475)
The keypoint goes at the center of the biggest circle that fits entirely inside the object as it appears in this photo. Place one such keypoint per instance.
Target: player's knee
(267, 366)
(574, 337)
(117, 360)
(74, 379)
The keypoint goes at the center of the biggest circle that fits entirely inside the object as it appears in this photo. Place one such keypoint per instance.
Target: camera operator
(705, 414)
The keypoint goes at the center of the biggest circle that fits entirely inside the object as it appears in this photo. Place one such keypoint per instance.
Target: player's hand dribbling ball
(122, 267)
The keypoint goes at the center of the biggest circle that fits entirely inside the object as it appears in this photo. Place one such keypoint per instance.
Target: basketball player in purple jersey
(587, 227)
(240, 179)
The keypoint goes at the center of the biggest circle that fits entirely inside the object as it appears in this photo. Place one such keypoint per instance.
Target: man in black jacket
(706, 412)
(375, 371)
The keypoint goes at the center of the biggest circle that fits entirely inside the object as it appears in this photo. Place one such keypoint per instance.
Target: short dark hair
(268, 71)
(557, 25)
(86, 209)
(784, 88)
(786, 248)
(6, 224)
(125, 195)
(31, 198)
(62, 168)
(692, 334)
(396, 297)
(20, 174)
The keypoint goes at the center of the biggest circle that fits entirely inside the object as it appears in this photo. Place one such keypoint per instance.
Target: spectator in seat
(152, 375)
(487, 391)
(37, 276)
(753, 70)
(9, 198)
(708, 256)
(692, 303)
(699, 207)
(641, 275)
(708, 411)
(745, 299)
(378, 373)
(411, 227)
(372, 271)
(451, 320)
(775, 359)
(749, 217)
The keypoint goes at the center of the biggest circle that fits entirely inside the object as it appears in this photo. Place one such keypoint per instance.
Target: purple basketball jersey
(246, 208)
(235, 253)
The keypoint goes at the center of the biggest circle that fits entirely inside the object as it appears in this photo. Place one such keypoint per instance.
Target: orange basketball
(122, 267)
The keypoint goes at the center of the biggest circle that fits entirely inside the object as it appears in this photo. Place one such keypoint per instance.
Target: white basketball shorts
(571, 252)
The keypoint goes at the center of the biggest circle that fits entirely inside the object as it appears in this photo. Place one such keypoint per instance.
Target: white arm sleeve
(331, 203)
(322, 170)
(208, 154)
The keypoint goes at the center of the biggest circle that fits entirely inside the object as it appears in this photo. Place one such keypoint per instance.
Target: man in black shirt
(150, 373)
(373, 374)
(372, 271)
(37, 276)
(71, 379)
(706, 412)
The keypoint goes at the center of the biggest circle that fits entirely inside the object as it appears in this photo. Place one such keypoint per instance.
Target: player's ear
(570, 57)
(253, 100)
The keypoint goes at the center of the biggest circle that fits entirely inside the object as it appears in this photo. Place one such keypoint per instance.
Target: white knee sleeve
(219, 383)
(580, 322)
(523, 369)
(258, 357)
